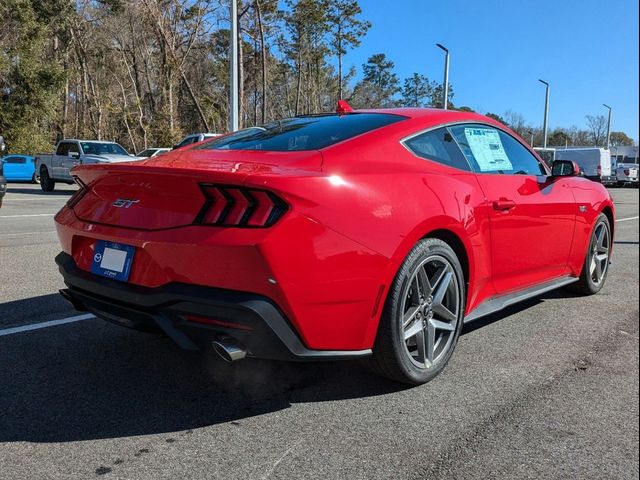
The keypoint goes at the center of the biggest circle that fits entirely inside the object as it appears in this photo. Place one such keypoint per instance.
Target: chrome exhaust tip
(228, 349)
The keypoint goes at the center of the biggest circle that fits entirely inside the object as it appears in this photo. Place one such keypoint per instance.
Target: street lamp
(608, 125)
(233, 68)
(445, 95)
(546, 113)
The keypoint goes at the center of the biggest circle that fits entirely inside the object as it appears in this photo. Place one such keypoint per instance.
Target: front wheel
(596, 262)
(423, 314)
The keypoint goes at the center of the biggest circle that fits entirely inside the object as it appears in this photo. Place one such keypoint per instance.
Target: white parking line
(51, 323)
(627, 219)
(25, 233)
(30, 215)
(39, 199)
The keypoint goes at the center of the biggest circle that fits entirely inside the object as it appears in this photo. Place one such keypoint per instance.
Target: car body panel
(531, 242)
(356, 209)
(19, 172)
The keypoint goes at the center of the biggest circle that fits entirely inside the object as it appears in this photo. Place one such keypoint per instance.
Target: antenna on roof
(343, 107)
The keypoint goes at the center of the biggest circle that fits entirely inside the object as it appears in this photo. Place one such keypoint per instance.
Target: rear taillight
(626, 172)
(231, 206)
(77, 196)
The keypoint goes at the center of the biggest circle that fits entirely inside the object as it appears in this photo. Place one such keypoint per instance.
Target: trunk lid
(164, 192)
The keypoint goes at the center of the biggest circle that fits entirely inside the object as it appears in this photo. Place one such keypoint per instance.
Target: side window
(73, 147)
(523, 161)
(490, 150)
(12, 160)
(63, 149)
(438, 146)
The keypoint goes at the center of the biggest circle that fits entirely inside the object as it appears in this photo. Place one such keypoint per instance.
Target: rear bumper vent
(232, 206)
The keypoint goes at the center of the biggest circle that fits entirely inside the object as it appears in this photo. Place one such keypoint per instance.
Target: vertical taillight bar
(233, 206)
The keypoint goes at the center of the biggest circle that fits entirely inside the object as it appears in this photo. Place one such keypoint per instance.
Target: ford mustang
(366, 233)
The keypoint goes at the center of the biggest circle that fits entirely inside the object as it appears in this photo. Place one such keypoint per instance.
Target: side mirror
(565, 168)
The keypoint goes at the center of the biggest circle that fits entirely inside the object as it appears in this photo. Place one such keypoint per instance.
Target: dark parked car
(3, 181)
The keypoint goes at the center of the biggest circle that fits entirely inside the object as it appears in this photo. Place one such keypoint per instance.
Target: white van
(595, 163)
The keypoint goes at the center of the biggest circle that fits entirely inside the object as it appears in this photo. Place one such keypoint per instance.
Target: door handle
(504, 204)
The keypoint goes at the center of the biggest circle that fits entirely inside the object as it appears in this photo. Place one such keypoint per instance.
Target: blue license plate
(112, 260)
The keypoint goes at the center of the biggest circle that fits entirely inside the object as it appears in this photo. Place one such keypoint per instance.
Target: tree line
(146, 72)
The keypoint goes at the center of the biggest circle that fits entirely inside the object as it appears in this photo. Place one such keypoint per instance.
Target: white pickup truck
(627, 174)
(57, 167)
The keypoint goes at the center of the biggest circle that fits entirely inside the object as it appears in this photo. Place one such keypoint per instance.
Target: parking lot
(546, 389)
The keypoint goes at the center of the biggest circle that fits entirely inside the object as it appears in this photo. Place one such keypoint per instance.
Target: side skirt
(496, 304)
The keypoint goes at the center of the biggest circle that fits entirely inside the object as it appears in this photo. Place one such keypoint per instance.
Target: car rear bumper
(193, 316)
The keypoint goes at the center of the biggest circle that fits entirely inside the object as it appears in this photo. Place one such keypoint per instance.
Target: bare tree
(597, 128)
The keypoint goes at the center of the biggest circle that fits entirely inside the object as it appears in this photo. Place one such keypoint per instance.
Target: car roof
(85, 140)
(425, 118)
(435, 114)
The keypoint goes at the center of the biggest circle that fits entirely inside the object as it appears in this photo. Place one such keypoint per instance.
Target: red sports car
(360, 233)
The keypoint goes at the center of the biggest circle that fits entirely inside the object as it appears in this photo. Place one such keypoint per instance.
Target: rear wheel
(46, 182)
(596, 263)
(422, 316)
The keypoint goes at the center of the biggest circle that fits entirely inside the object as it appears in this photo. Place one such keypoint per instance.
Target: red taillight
(231, 206)
(626, 172)
(77, 196)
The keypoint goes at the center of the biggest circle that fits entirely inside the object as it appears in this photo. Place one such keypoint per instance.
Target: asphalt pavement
(545, 389)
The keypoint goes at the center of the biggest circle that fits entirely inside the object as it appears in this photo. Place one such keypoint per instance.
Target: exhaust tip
(228, 349)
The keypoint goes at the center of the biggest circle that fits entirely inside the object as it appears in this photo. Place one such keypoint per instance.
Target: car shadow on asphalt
(92, 380)
(34, 309)
(516, 308)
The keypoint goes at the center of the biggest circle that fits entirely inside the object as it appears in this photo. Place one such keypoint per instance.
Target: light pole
(445, 95)
(608, 125)
(233, 68)
(546, 114)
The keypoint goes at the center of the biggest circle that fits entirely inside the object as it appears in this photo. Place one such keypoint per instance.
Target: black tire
(46, 182)
(587, 284)
(392, 356)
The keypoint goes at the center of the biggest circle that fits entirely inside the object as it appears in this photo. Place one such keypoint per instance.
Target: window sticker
(487, 149)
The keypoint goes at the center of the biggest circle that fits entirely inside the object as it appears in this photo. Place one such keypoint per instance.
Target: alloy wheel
(430, 311)
(601, 246)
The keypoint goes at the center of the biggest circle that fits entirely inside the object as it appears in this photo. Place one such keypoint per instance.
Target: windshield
(146, 153)
(303, 133)
(99, 148)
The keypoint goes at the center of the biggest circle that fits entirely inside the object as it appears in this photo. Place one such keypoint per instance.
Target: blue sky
(587, 50)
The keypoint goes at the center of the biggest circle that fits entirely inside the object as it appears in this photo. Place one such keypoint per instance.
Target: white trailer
(595, 163)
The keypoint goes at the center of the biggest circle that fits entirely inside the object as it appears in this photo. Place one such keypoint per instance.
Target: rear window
(303, 133)
(98, 148)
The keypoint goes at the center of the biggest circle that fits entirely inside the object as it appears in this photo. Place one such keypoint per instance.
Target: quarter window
(438, 146)
(490, 150)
